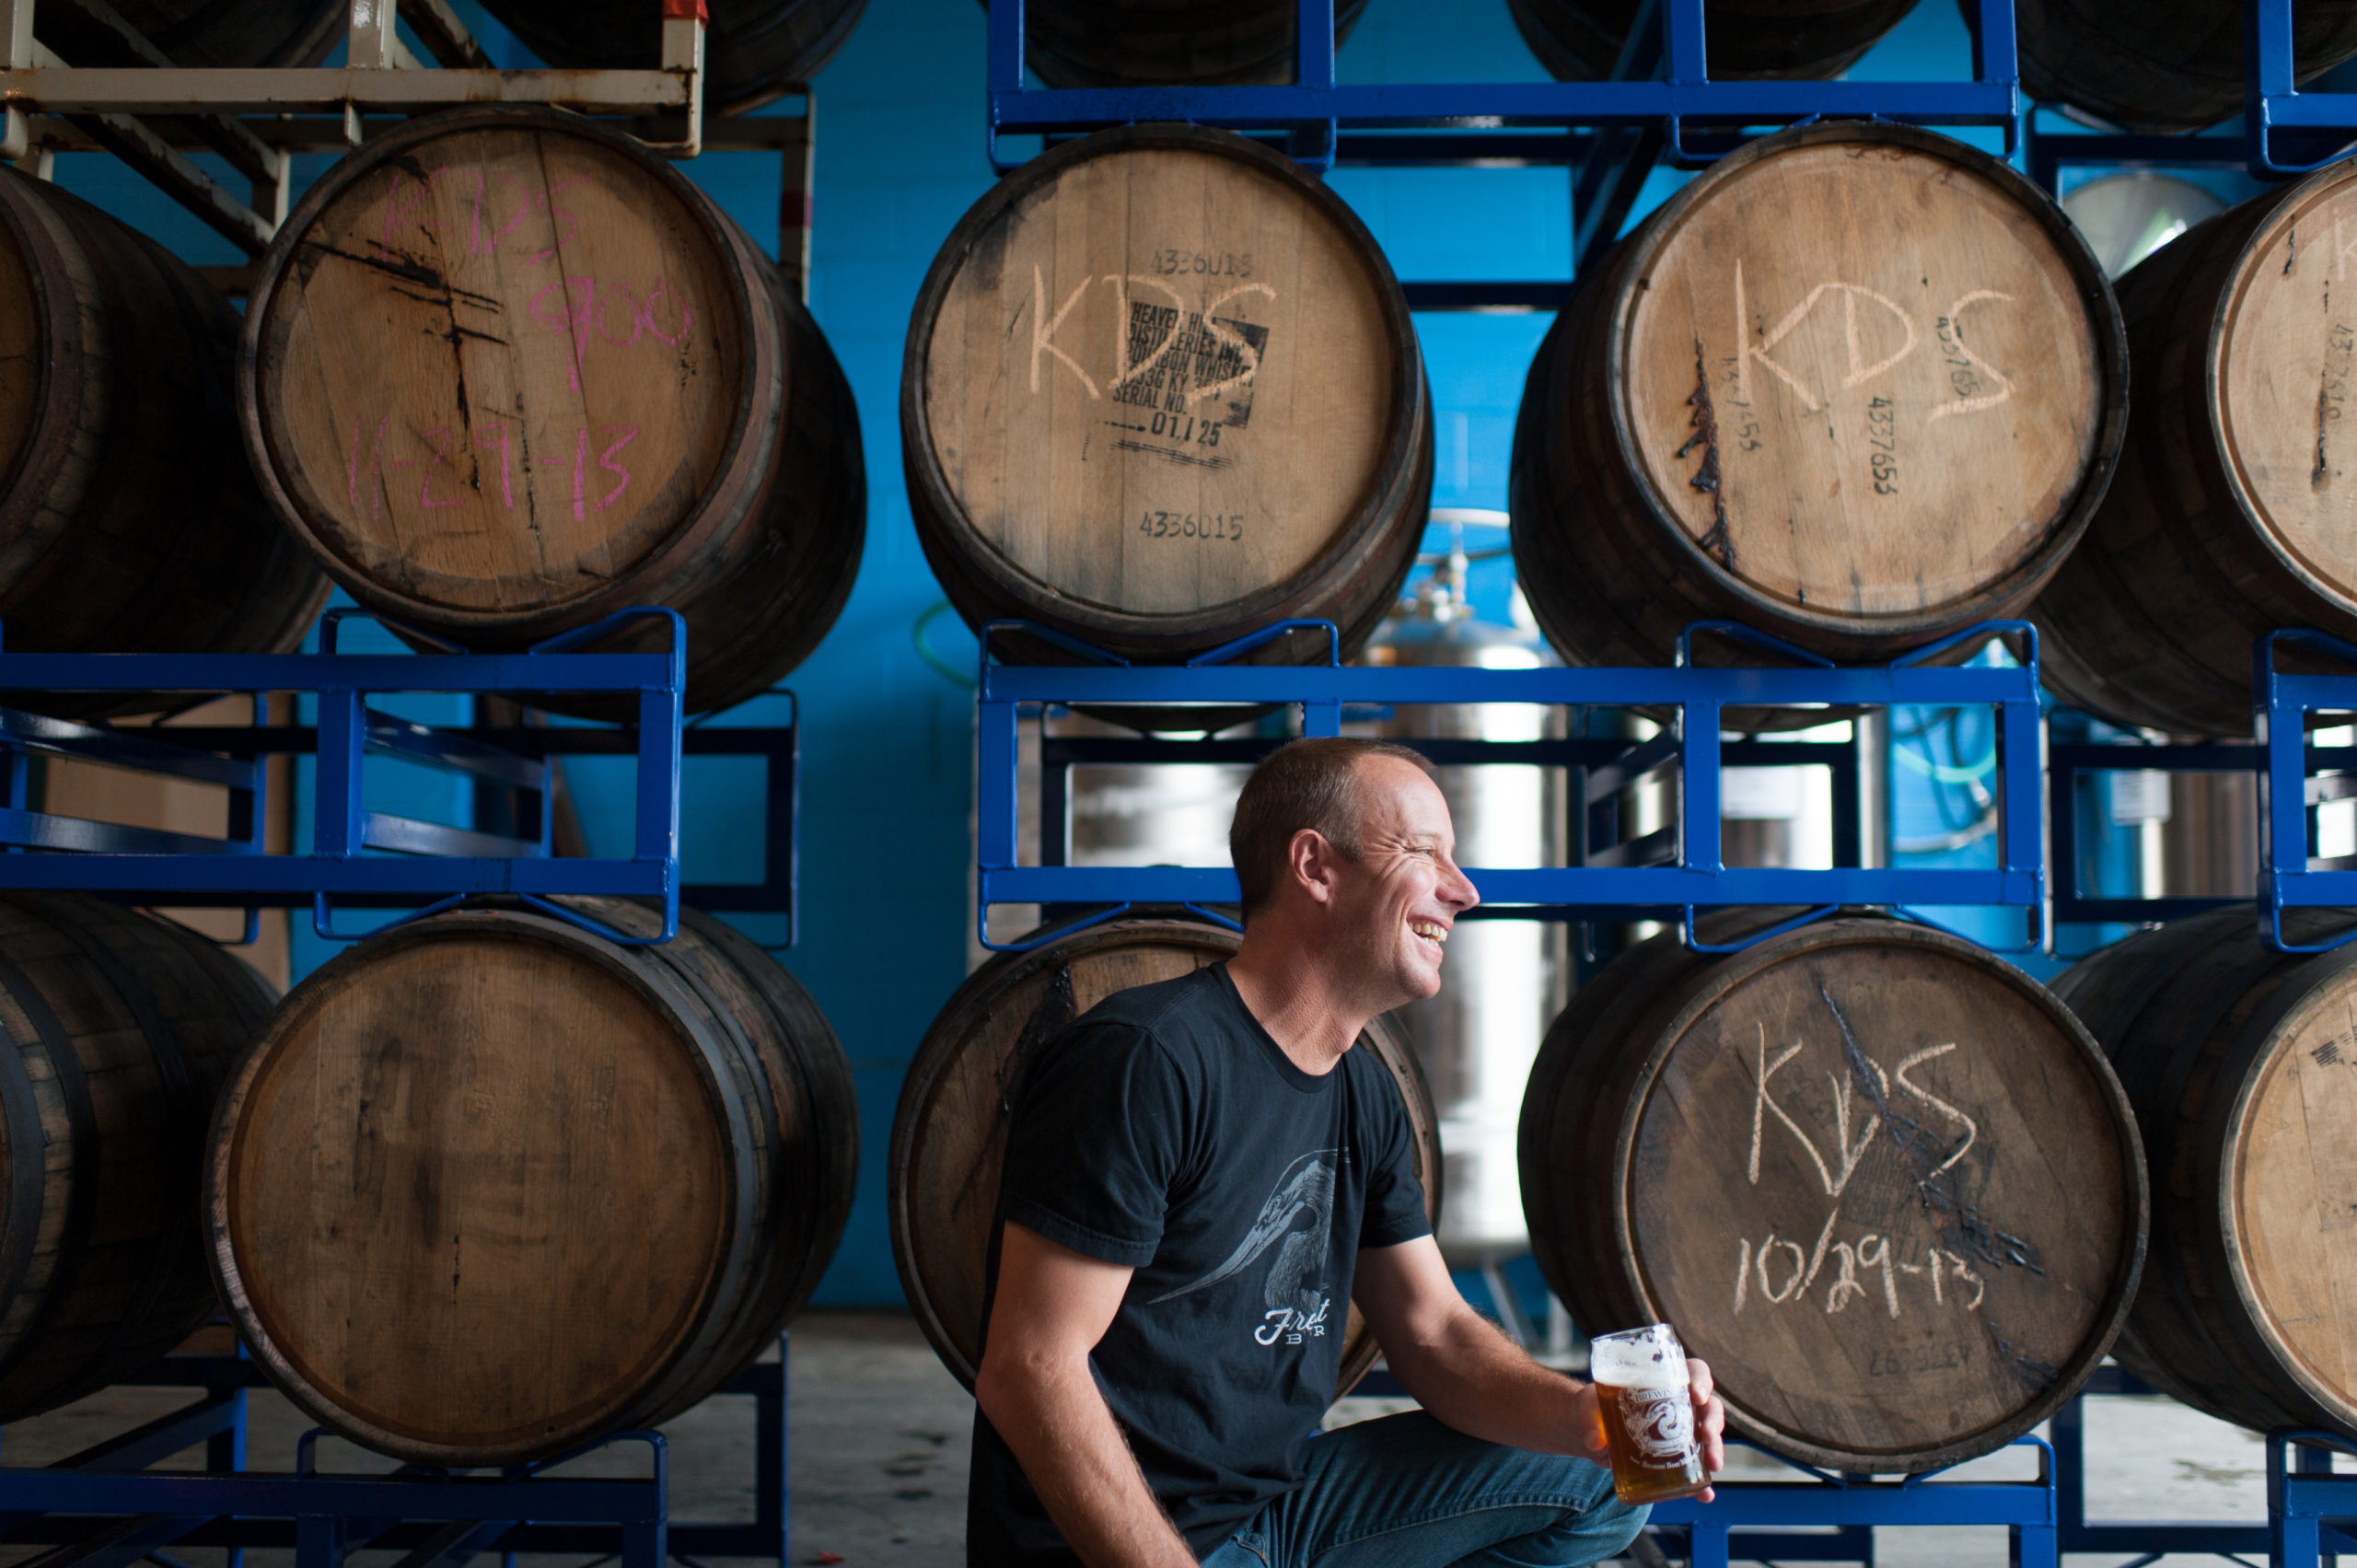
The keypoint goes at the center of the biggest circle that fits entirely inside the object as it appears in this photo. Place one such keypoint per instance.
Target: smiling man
(1201, 1177)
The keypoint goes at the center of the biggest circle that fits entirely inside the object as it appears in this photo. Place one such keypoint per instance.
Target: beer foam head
(1641, 1358)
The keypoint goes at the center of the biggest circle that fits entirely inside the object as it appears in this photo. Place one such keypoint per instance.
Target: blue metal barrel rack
(1664, 874)
(105, 1506)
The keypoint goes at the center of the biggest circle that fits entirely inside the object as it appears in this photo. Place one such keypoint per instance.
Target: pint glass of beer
(1647, 1405)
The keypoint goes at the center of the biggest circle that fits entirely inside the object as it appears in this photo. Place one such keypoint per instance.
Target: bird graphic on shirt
(1304, 1190)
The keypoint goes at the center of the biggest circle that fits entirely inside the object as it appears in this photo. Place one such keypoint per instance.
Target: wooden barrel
(753, 50)
(508, 372)
(2177, 68)
(116, 1030)
(1858, 385)
(1144, 43)
(1580, 41)
(201, 33)
(1902, 1225)
(2232, 511)
(2243, 1072)
(128, 520)
(489, 1185)
(1162, 389)
(949, 1135)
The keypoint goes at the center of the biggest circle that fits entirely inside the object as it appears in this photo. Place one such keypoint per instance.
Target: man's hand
(1710, 1421)
(1458, 1366)
(1052, 1307)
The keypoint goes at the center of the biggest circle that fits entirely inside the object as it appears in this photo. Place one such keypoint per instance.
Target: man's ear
(1310, 860)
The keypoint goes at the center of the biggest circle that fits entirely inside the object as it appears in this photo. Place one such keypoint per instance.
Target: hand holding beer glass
(1645, 1400)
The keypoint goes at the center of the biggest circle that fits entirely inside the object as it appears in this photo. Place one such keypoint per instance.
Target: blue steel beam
(1483, 105)
(432, 863)
(1584, 888)
(1316, 107)
(1579, 891)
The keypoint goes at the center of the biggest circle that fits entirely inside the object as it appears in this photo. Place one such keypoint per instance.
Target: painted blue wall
(887, 735)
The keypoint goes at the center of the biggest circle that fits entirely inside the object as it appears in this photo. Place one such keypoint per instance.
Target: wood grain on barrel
(509, 373)
(1582, 39)
(1882, 1183)
(2158, 67)
(129, 522)
(1858, 385)
(490, 1186)
(116, 1028)
(1160, 389)
(2237, 491)
(949, 1135)
(477, 1201)
(2242, 1065)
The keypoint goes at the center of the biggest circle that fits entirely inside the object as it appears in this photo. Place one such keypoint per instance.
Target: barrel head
(472, 1194)
(1161, 382)
(496, 372)
(1881, 1182)
(2284, 356)
(2291, 1211)
(1865, 376)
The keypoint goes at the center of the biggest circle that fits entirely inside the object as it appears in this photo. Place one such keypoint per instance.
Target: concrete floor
(879, 1435)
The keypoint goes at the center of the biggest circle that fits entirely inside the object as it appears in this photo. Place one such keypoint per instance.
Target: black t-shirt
(1166, 1131)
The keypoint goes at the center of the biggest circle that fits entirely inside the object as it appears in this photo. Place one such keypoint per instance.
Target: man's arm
(1471, 1378)
(1052, 1307)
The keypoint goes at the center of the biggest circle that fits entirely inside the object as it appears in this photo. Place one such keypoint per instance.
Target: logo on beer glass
(1660, 1423)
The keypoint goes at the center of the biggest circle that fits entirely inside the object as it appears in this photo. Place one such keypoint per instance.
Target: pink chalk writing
(555, 306)
(580, 458)
(441, 450)
(605, 462)
(367, 464)
(572, 306)
(405, 205)
(506, 486)
(687, 315)
(375, 467)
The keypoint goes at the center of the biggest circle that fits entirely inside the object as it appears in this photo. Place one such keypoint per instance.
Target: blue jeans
(1406, 1491)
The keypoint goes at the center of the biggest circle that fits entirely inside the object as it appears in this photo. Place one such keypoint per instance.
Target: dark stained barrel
(203, 33)
(1145, 44)
(1859, 386)
(489, 1186)
(1161, 390)
(2232, 511)
(129, 522)
(508, 372)
(119, 1029)
(1580, 40)
(753, 50)
(1882, 1181)
(2175, 66)
(949, 1135)
(2242, 1067)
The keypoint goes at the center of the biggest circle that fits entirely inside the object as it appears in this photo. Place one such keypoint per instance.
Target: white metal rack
(153, 114)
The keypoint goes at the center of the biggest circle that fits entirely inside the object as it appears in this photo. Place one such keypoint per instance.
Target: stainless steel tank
(1503, 980)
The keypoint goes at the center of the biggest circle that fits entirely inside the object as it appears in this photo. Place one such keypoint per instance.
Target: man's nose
(1458, 892)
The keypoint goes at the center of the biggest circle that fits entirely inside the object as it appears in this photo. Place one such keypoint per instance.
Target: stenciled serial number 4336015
(1191, 525)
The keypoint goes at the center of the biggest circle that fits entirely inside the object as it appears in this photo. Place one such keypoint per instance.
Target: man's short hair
(1307, 783)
